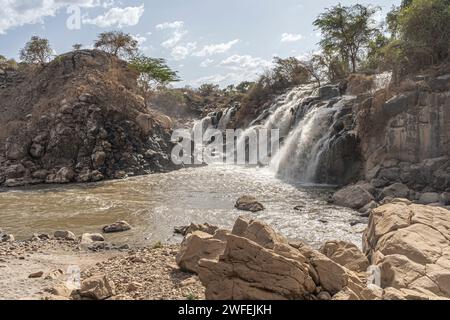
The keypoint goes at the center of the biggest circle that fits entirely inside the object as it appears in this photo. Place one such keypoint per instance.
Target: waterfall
(315, 130)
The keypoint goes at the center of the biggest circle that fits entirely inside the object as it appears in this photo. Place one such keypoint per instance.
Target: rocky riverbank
(405, 255)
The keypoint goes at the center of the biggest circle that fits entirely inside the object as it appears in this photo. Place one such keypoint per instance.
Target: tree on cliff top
(153, 71)
(347, 31)
(120, 44)
(37, 50)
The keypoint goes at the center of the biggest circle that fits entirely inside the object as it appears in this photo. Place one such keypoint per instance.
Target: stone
(37, 150)
(4, 237)
(410, 244)
(65, 235)
(15, 171)
(60, 290)
(196, 246)
(89, 238)
(134, 286)
(445, 198)
(396, 190)
(346, 254)
(329, 91)
(324, 296)
(249, 203)
(354, 196)
(36, 275)
(97, 287)
(429, 198)
(367, 209)
(98, 159)
(119, 226)
(64, 175)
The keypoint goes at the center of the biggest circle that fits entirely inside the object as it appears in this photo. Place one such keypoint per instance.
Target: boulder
(400, 103)
(65, 235)
(4, 237)
(36, 275)
(354, 196)
(429, 198)
(329, 91)
(64, 175)
(15, 171)
(196, 246)
(346, 254)
(89, 238)
(410, 244)
(97, 287)
(260, 264)
(396, 190)
(249, 203)
(118, 226)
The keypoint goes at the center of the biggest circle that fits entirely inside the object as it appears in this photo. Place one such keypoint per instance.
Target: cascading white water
(281, 115)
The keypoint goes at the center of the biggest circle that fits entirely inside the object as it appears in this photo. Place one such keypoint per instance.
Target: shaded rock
(248, 203)
(35, 275)
(346, 254)
(119, 226)
(354, 196)
(97, 287)
(396, 190)
(329, 91)
(64, 235)
(429, 198)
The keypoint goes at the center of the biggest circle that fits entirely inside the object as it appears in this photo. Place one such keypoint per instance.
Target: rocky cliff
(77, 119)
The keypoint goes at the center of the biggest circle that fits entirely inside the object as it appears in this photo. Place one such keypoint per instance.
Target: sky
(222, 42)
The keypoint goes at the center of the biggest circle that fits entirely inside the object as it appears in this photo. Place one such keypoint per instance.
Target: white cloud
(181, 52)
(206, 63)
(174, 39)
(289, 37)
(211, 49)
(117, 17)
(245, 62)
(139, 38)
(170, 25)
(240, 68)
(16, 13)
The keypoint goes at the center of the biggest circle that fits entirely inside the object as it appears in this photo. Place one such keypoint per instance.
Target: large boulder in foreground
(97, 287)
(346, 254)
(410, 243)
(260, 264)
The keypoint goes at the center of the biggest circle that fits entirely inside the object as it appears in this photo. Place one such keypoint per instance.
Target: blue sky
(204, 40)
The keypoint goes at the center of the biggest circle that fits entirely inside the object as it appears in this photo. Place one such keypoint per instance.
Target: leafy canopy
(37, 50)
(153, 71)
(120, 44)
(346, 31)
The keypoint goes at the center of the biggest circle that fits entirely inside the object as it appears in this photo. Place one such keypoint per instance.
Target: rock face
(249, 203)
(78, 119)
(405, 137)
(410, 243)
(258, 263)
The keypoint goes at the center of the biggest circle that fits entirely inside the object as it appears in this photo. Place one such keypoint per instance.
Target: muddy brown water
(155, 204)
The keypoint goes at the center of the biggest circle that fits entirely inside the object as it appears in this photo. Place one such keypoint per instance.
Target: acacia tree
(117, 43)
(347, 31)
(37, 51)
(153, 71)
(77, 46)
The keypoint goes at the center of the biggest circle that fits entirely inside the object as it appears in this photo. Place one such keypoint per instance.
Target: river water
(155, 204)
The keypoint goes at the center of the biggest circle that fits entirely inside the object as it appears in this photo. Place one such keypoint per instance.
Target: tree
(208, 89)
(37, 50)
(425, 24)
(117, 43)
(289, 71)
(153, 72)
(77, 46)
(346, 31)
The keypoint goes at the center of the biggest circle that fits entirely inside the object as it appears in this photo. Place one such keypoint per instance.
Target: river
(157, 203)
